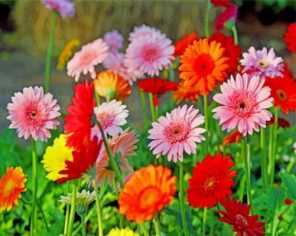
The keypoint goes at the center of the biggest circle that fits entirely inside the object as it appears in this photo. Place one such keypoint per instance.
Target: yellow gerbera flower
(122, 232)
(67, 53)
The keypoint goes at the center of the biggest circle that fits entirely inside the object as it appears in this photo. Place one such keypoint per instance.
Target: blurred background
(24, 32)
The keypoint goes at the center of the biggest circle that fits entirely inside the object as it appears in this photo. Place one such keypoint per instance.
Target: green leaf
(289, 182)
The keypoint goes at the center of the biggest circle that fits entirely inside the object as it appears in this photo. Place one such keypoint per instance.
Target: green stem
(235, 35)
(144, 231)
(207, 20)
(49, 52)
(97, 96)
(144, 108)
(78, 229)
(182, 200)
(151, 107)
(263, 157)
(290, 165)
(274, 144)
(43, 215)
(66, 219)
(246, 156)
(171, 73)
(98, 209)
(204, 221)
(206, 112)
(83, 228)
(156, 225)
(156, 112)
(72, 211)
(34, 190)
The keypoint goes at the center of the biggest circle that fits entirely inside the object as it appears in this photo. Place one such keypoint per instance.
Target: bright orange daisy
(203, 64)
(146, 193)
(12, 184)
(111, 86)
(185, 92)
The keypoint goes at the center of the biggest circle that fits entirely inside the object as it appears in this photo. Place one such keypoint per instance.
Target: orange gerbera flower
(182, 43)
(147, 192)
(12, 184)
(185, 92)
(203, 64)
(111, 86)
(234, 137)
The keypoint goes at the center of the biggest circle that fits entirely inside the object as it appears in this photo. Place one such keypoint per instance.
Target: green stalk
(144, 231)
(152, 107)
(207, 20)
(66, 219)
(274, 144)
(144, 109)
(263, 157)
(34, 190)
(156, 225)
(97, 96)
(290, 165)
(171, 73)
(72, 212)
(204, 221)
(98, 209)
(77, 230)
(246, 156)
(49, 52)
(43, 215)
(206, 112)
(182, 200)
(83, 229)
(235, 35)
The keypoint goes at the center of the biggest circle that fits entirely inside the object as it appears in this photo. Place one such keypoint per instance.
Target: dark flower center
(281, 95)
(242, 105)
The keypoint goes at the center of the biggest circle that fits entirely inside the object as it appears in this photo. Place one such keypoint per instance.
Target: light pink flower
(143, 30)
(176, 133)
(65, 8)
(244, 102)
(262, 63)
(33, 113)
(149, 54)
(87, 58)
(114, 41)
(111, 115)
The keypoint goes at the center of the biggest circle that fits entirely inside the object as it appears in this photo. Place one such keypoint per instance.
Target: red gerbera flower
(283, 123)
(78, 121)
(234, 137)
(229, 12)
(290, 37)
(211, 181)
(232, 51)
(237, 214)
(157, 87)
(283, 91)
(182, 43)
(220, 3)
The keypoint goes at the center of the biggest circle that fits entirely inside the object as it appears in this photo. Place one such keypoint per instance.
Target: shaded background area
(24, 31)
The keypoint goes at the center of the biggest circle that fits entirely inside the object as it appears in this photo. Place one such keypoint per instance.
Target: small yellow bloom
(55, 157)
(122, 232)
(67, 53)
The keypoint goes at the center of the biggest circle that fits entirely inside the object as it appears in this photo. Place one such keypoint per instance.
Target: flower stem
(98, 208)
(34, 190)
(274, 144)
(171, 73)
(83, 229)
(235, 35)
(263, 157)
(72, 211)
(144, 231)
(67, 212)
(49, 52)
(204, 221)
(144, 109)
(207, 23)
(206, 113)
(152, 107)
(156, 225)
(97, 96)
(246, 157)
(182, 200)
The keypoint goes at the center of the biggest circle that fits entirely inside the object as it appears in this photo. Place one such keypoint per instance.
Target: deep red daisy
(157, 87)
(78, 121)
(283, 123)
(234, 137)
(237, 214)
(290, 37)
(211, 181)
(232, 51)
(182, 43)
(229, 12)
(283, 91)
(220, 3)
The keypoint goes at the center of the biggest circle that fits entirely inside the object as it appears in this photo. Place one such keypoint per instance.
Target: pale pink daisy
(149, 54)
(143, 30)
(262, 63)
(33, 113)
(176, 133)
(111, 115)
(244, 102)
(114, 41)
(87, 59)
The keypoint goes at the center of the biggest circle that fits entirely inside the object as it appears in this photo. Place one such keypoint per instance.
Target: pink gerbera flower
(262, 63)
(33, 113)
(176, 133)
(149, 54)
(87, 58)
(143, 30)
(114, 41)
(111, 115)
(244, 102)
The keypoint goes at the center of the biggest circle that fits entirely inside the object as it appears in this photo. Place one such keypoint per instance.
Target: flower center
(263, 63)
(32, 114)
(241, 220)
(204, 65)
(8, 188)
(243, 103)
(150, 54)
(87, 57)
(149, 196)
(176, 132)
(209, 184)
(106, 119)
(281, 95)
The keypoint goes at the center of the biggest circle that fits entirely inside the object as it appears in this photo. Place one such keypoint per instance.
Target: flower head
(211, 181)
(147, 191)
(185, 92)
(12, 184)
(83, 198)
(67, 53)
(143, 30)
(262, 63)
(33, 113)
(114, 40)
(176, 133)
(229, 13)
(87, 59)
(122, 232)
(238, 215)
(234, 137)
(244, 102)
(111, 86)
(203, 64)
(182, 43)
(283, 123)
(290, 37)
(65, 8)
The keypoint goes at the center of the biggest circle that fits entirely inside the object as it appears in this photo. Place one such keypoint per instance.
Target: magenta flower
(149, 54)
(176, 133)
(33, 113)
(244, 102)
(114, 41)
(143, 30)
(87, 59)
(64, 7)
(262, 63)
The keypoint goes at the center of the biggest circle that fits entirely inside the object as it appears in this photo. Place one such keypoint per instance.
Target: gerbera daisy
(234, 137)
(55, 157)
(78, 122)
(262, 63)
(182, 43)
(12, 184)
(157, 87)
(283, 123)
(203, 64)
(67, 53)
(283, 91)
(211, 181)
(33, 113)
(185, 92)
(290, 37)
(238, 215)
(147, 191)
(244, 102)
(229, 13)
(122, 232)
(111, 115)
(87, 59)
(220, 3)
(83, 199)
(114, 40)
(111, 86)
(232, 51)
(143, 30)
(149, 54)
(176, 133)
(65, 8)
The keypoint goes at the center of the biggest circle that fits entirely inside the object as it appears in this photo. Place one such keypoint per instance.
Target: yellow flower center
(8, 188)
(209, 183)
(263, 63)
(149, 196)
